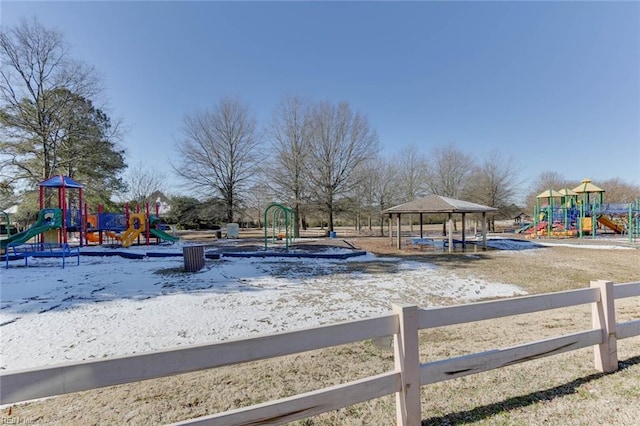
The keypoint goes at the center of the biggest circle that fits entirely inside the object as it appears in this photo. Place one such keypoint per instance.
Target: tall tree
(40, 83)
(381, 187)
(218, 152)
(495, 183)
(449, 171)
(7, 195)
(89, 151)
(290, 137)
(341, 140)
(49, 123)
(413, 173)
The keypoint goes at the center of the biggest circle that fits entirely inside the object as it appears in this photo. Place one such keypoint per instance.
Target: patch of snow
(110, 306)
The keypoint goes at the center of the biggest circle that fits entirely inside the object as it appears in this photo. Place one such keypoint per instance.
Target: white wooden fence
(404, 381)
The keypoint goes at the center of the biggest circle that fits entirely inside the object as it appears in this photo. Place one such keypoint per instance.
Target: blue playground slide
(524, 228)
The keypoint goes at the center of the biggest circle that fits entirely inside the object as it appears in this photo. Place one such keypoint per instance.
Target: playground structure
(54, 223)
(580, 212)
(281, 221)
(124, 228)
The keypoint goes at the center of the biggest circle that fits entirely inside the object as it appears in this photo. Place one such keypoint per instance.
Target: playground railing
(42, 250)
(404, 380)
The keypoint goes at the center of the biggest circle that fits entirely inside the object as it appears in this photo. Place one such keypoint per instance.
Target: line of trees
(313, 159)
(323, 159)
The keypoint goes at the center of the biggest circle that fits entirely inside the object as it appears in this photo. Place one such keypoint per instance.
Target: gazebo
(436, 204)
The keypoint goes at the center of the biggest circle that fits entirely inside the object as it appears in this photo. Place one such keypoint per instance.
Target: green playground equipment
(47, 219)
(8, 220)
(633, 224)
(282, 220)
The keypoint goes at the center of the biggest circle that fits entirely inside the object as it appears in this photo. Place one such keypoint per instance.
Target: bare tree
(40, 84)
(413, 173)
(218, 151)
(290, 134)
(341, 140)
(617, 191)
(49, 123)
(546, 180)
(449, 171)
(142, 181)
(381, 187)
(260, 195)
(495, 183)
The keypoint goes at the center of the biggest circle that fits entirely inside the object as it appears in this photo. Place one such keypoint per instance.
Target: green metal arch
(279, 212)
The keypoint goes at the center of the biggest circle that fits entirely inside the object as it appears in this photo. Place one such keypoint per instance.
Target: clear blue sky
(556, 85)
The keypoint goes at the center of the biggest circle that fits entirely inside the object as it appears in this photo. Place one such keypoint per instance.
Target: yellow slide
(137, 225)
(603, 220)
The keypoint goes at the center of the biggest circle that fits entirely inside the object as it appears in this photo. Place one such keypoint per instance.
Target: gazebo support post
(484, 230)
(463, 229)
(421, 236)
(391, 229)
(399, 239)
(450, 232)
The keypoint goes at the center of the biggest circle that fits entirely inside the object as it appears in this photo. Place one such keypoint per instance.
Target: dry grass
(560, 389)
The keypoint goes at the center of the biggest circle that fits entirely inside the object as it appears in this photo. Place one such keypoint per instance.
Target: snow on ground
(517, 244)
(114, 306)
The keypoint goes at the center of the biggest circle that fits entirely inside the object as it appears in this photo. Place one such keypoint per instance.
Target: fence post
(193, 258)
(407, 361)
(604, 318)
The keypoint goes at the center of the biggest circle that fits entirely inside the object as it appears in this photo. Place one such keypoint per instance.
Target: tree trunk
(330, 224)
(296, 220)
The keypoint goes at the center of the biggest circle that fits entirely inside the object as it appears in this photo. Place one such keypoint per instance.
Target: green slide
(163, 235)
(47, 219)
(153, 221)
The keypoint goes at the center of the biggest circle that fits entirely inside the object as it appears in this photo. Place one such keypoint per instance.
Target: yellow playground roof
(549, 193)
(566, 192)
(587, 186)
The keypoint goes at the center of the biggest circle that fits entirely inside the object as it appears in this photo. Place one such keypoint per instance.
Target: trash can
(332, 234)
(219, 234)
(193, 258)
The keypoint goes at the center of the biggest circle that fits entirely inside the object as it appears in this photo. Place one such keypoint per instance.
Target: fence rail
(404, 381)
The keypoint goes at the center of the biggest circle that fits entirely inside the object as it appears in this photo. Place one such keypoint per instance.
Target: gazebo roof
(59, 182)
(587, 186)
(438, 204)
